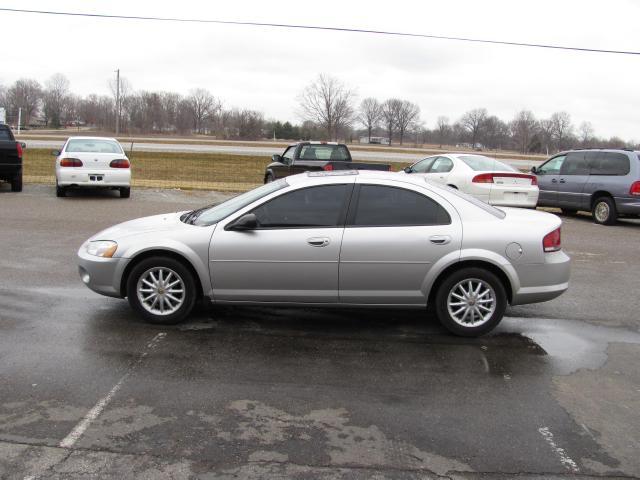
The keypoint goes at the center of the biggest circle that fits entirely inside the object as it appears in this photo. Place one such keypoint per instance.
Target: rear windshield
(79, 145)
(338, 153)
(5, 134)
(482, 163)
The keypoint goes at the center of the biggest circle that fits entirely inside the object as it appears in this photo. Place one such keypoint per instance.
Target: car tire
(180, 298)
(60, 191)
(269, 178)
(125, 192)
(16, 183)
(568, 211)
(604, 211)
(490, 301)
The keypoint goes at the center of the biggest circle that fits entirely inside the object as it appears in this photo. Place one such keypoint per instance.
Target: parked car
(485, 178)
(10, 159)
(92, 162)
(335, 239)
(604, 182)
(315, 156)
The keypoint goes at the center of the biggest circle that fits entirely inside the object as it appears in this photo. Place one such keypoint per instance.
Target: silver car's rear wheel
(471, 302)
(163, 290)
(160, 291)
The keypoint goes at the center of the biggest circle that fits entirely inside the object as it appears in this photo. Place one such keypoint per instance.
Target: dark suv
(603, 182)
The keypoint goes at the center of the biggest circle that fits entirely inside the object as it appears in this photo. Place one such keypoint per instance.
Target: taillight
(483, 178)
(551, 241)
(19, 147)
(328, 167)
(120, 163)
(489, 177)
(635, 189)
(70, 162)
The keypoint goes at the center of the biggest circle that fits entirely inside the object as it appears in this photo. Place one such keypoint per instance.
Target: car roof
(315, 142)
(81, 137)
(314, 178)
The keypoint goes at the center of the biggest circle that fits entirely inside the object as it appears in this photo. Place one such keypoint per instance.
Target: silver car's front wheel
(161, 289)
(471, 301)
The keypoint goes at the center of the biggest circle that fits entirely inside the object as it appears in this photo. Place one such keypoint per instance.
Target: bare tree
(586, 134)
(473, 121)
(390, 115)
(370, 114)
(407, 114)
(328, 103)
(561, 128)
(204, 107)
(443, 129)
(55, 99)
(523, 127)
(25, 94)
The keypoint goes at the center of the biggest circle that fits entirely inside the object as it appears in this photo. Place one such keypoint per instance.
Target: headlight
(102, 248)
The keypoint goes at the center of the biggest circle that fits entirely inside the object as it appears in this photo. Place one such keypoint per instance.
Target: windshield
(482, 163)
(92, 145)
(214, 213)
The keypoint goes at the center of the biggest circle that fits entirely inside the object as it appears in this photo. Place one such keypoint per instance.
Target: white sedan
(485, 178)
(92, 162)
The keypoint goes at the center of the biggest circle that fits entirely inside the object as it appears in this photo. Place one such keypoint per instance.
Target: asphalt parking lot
(89, 391)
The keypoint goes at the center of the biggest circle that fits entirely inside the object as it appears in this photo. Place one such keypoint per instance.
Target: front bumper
(93, 178)
(544, 281)
(102, 275)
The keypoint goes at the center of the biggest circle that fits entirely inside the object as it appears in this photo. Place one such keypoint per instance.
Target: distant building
(375, 140)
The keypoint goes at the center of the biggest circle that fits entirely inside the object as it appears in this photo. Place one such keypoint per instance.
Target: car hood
(155, 223)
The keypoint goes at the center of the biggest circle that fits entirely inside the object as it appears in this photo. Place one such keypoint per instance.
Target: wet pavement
(89, 391)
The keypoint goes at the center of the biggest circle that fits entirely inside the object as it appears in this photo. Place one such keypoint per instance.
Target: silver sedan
(335, 238)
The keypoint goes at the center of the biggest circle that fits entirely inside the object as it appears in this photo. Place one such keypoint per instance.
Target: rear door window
(575, 164)
(610, 163)
(382, 206)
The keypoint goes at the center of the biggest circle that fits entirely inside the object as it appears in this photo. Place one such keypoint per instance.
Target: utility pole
(117, 102)
(19, 119)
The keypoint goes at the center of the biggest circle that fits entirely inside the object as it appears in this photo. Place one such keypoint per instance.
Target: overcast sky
(265, 68)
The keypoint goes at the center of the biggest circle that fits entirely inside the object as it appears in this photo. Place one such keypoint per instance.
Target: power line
(323, 28)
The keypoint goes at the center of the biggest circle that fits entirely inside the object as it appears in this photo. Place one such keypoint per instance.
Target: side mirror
(277, 158)
(534, 170)
(55, 153)
(408, 170)
(245, 222)
(23, 145)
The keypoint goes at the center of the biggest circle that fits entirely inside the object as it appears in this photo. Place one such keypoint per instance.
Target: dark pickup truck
(315, 156)
(10, 159)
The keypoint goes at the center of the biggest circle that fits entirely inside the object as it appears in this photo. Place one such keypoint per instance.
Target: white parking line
(81, 427)
(566, 461)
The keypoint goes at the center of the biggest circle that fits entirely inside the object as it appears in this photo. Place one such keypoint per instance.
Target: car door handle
(553, 180)
(440, 239)
(562, 180)
(318, 241)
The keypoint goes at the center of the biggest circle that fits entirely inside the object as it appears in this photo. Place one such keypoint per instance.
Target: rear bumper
(82, 177)
(628, 205)
(544, 281)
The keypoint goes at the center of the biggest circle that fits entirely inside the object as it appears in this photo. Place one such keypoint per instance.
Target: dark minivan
(603, 182)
